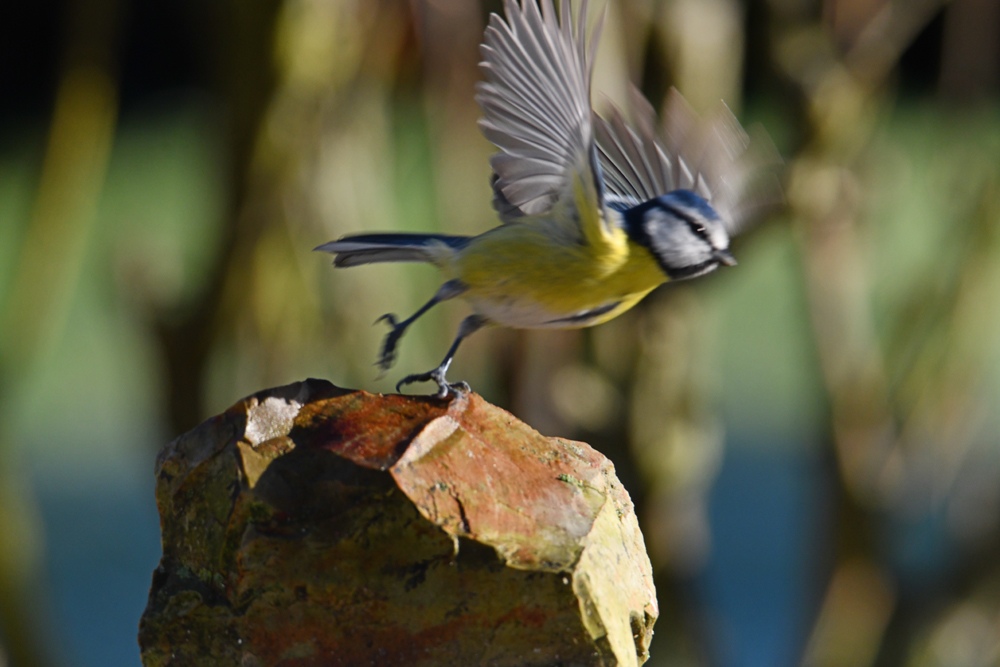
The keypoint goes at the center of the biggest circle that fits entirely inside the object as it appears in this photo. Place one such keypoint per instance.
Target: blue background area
(767, 518)
(104, 543)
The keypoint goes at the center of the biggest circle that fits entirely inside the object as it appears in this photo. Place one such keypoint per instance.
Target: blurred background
(812, 439)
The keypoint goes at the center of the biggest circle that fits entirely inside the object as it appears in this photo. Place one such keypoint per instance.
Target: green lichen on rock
(311, 525)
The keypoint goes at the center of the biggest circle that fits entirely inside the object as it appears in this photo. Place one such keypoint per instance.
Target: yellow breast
(519, 275)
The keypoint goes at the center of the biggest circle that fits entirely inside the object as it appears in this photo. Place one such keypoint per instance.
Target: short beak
(724, 257)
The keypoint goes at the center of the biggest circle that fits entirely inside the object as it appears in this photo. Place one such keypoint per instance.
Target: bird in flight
(596, 212)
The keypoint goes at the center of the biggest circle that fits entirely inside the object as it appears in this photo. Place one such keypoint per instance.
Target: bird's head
(682, 231)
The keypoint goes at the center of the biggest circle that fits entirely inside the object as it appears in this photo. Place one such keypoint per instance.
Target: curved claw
(433, 376)
(388, 354)
(437, 375)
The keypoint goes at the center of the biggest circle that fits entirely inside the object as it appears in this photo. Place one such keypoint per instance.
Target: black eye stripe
(697, 227)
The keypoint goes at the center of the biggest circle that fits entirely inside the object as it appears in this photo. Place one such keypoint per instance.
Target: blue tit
(596, 212)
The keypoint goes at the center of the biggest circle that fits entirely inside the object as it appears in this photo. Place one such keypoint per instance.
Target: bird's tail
(357, 249)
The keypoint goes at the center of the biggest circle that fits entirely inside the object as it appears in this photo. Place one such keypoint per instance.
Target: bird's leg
(469, 325)
(387, 356)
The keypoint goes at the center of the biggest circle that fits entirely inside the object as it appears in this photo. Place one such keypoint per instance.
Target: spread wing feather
(713, 158)
(536, 105)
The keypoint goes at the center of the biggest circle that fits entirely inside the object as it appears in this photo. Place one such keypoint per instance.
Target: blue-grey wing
(713, 158)
(536, 106)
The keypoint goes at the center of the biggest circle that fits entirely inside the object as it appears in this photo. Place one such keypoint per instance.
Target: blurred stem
(858, 604)
(63, 218)
(37, 308)
(823, 194)
(240, 38)
(890, 32)
(824, 197)
(22, 604)
(35, 316)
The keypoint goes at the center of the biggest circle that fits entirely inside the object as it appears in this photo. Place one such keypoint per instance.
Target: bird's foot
(437, 375)
(387, 356)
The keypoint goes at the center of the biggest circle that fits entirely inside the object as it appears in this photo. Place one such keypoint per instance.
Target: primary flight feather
(596, 213)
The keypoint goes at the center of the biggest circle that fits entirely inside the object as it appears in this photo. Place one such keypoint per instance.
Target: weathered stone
(312, 525)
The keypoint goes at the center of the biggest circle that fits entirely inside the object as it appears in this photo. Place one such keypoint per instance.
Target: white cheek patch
(677, 246)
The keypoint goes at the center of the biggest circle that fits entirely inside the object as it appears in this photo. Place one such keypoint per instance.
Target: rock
(312, 525)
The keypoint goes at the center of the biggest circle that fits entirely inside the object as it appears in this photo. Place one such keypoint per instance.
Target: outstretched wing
(536, 108)
(713, 158)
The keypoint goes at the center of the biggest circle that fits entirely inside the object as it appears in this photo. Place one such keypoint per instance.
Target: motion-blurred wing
(713, 158)
(536, 106)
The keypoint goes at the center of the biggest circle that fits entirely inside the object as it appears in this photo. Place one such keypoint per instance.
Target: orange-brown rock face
(311, 525)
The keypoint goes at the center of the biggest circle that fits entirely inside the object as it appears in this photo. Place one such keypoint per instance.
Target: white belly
(529, 314)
